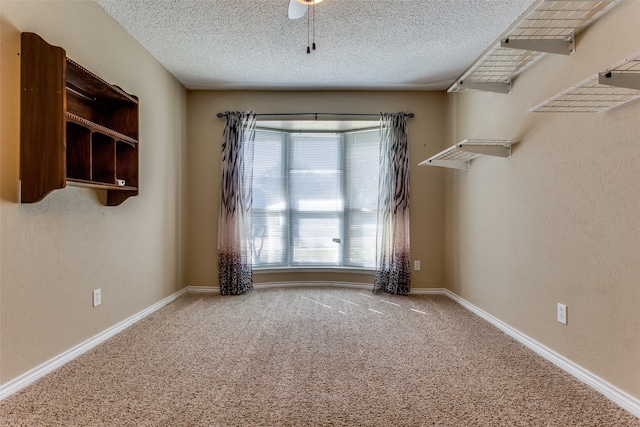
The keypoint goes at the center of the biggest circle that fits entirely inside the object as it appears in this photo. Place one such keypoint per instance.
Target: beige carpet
(311, 357)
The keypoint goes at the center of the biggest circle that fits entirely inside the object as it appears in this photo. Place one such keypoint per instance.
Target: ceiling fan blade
(296, 10)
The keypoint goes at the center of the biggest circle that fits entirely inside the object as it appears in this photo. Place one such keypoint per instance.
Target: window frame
(287, 262)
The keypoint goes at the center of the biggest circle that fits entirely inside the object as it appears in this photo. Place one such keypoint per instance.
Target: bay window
(315, 198)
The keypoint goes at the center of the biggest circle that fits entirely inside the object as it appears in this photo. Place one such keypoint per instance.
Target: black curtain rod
(409, 115)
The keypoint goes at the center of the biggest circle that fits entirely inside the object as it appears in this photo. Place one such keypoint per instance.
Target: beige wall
(55, 252)
(426, 134)
(560, 220)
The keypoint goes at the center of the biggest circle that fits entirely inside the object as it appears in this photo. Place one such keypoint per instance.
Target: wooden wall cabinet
(76, 128)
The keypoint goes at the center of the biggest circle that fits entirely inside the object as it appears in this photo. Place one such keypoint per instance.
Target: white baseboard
(40, 371)
(614, 394)
(202, 289)
(427, 291)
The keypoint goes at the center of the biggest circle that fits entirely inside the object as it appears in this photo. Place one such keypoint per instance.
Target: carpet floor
(311, 357)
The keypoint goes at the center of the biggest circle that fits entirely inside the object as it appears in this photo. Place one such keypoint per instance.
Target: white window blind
(361, 215)
(315, 198)
(270, 228)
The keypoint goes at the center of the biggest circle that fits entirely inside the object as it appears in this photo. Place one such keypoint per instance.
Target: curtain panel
(393, 262)
(235, 274)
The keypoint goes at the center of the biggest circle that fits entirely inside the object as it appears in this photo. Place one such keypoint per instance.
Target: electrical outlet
(97, 297)
(416, 265)
(562, 313)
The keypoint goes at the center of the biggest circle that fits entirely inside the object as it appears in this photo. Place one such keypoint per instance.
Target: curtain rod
(409, 115)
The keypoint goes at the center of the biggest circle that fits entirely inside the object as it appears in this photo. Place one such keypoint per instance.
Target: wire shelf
(459, 156)
(547, 22)
(592, 95)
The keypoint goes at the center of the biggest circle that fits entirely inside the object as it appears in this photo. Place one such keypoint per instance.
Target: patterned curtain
(393, 263)
(235, 274)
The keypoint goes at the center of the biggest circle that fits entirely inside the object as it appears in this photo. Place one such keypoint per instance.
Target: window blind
(315, 198)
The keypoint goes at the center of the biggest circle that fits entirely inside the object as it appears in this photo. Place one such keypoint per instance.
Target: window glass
(269, 218)
(315, 198)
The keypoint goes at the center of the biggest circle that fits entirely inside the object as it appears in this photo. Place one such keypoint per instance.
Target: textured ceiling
(361, 44)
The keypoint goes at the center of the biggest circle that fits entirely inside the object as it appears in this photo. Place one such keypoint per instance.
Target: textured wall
(560, 220)
(55, 252)
(426, 134)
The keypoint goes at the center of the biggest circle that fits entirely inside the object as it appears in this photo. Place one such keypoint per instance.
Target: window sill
(355, 270)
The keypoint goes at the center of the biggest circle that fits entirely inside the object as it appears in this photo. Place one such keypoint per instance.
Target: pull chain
(313, 46)
(308, 37)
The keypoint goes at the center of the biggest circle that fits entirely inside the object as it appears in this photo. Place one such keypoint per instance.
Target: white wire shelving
(459, 156)
(603, 91)
(549, 26)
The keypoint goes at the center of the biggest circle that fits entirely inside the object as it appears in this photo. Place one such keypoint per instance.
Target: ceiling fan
(297, 8)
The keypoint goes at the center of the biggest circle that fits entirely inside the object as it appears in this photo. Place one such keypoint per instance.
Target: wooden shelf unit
(76, 128)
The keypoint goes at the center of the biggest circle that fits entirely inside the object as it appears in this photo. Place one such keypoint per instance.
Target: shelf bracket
(497, 87)
(620, 79)
(489, 150)
(453, 164)
(557, 46)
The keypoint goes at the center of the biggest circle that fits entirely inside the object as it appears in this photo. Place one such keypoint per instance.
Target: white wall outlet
(97, 297)
(562, 313)
(416, 265)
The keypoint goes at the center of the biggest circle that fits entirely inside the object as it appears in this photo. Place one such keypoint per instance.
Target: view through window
(315, 198)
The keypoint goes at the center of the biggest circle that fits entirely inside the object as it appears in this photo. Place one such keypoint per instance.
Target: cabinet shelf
(459, 156)
(75, 128)
(98, 128)
(88, 84)
(99, 185)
